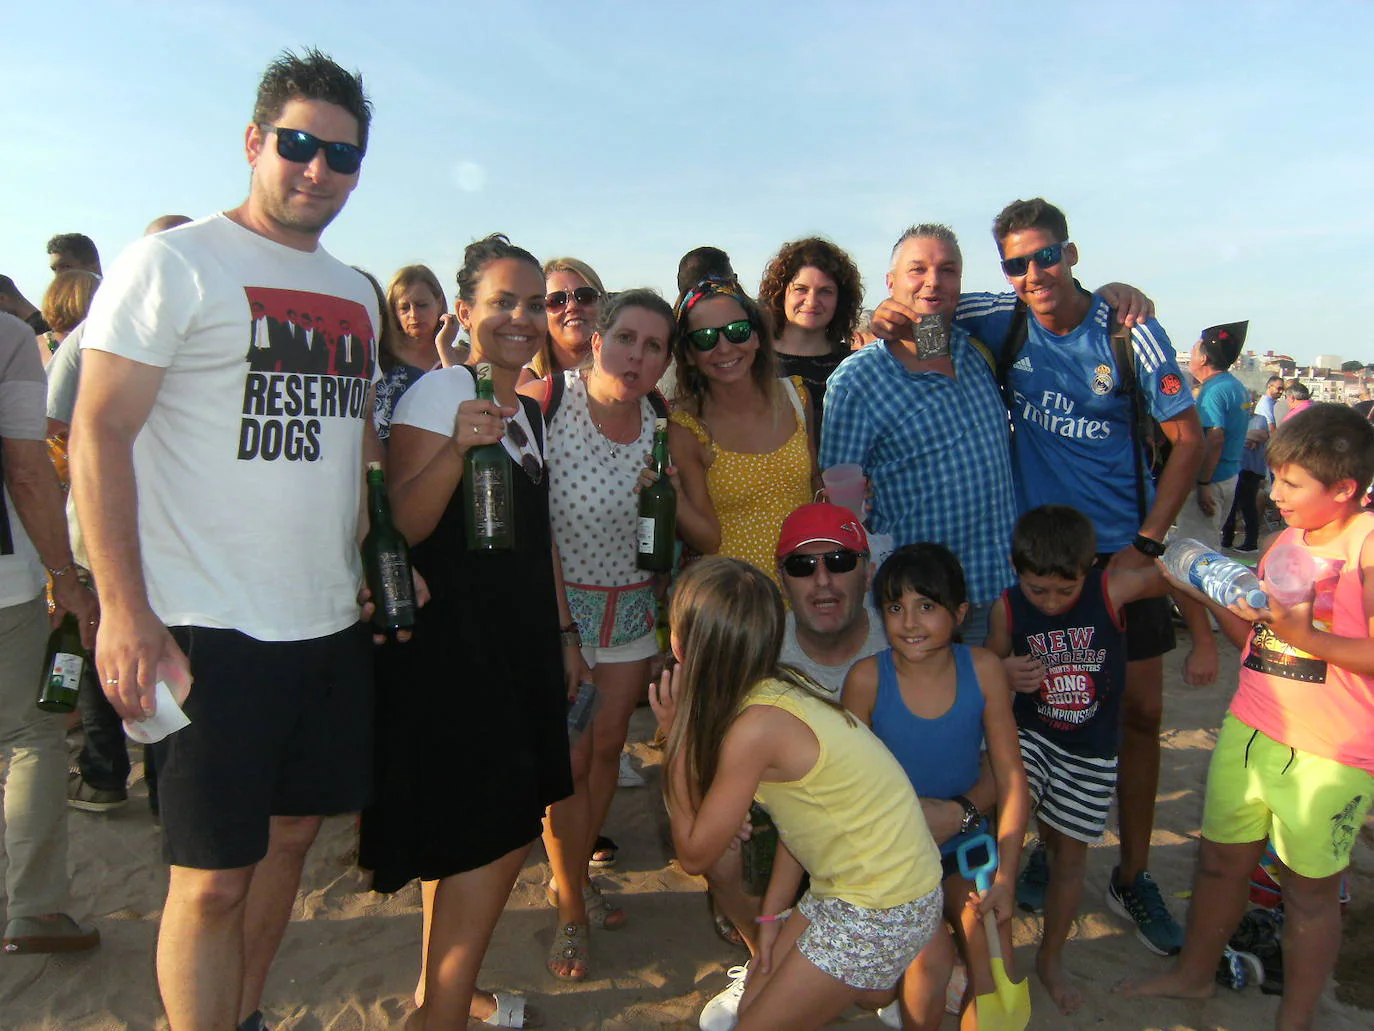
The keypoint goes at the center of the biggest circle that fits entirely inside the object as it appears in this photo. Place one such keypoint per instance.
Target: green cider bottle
(658, 511)
(62, 668)
(386, 560)
(487, 487)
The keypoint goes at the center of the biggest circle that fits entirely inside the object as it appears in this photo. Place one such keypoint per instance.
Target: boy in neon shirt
(1294, 760)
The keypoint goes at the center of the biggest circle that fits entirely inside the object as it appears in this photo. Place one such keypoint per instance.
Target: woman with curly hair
(812, 292)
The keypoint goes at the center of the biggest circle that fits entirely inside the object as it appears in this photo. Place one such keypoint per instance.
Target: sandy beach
(350, 957)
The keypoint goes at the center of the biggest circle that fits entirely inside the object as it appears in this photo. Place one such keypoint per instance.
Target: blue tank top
(940, 756)
(1078, 706)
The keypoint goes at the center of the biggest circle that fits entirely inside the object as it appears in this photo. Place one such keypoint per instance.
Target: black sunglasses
(299, 146)
(528, 462)
(800, 566)
(736, 332)
(583, 295)
(1045, 257)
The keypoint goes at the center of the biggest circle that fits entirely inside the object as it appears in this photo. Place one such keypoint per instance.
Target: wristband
(971, 814)
(775, 918)
(1147, 546)
(1204, 483)
(70, 567)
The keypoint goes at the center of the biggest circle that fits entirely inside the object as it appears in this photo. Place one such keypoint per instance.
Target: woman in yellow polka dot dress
(738, 437)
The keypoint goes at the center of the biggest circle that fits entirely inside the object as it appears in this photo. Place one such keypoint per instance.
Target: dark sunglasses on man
(1045, 257)
(840, 561)
(558, 300)
(299, 146)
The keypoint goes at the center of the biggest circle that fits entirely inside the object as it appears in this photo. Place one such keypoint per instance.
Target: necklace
(614, 446)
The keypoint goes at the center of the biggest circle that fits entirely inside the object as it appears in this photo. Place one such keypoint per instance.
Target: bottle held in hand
(386, 560)
(757, 853)
(658, 511)
(1221, 579)
(63, 667)
(487, 486)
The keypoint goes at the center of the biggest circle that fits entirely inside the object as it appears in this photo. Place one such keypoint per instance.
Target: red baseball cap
(822, 521)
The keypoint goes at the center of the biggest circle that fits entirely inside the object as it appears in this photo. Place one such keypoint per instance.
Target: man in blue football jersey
(1074, 442)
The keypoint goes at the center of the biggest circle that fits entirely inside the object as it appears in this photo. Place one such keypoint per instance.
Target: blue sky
(1219, 155)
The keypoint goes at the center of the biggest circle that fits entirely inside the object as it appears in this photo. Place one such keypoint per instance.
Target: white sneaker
(629, 777)
(891, 1015)
(722, 1012)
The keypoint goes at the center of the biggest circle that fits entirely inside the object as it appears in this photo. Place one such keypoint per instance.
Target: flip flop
(725, 930)
(511, 1011)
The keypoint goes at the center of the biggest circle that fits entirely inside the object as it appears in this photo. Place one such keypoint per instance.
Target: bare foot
(482, 1006)
(1057, 983)
(1172, 984)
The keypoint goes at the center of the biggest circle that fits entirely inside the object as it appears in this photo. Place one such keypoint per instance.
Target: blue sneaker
(1034, 880)
(1142, 904)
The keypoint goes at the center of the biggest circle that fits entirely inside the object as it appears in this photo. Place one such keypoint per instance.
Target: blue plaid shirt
(936, 451)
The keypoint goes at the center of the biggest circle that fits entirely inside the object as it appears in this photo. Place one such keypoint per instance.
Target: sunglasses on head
(736, 332)
(299, 146)
(841, 561)
(1045, 257)
(558, 300)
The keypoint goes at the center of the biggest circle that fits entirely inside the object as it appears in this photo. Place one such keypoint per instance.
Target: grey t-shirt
(64, 371)
(832, 677)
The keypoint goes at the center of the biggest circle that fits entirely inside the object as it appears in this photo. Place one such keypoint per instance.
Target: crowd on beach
(900, 680)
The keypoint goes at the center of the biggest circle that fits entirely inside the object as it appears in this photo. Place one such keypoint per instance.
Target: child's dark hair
(927, 568)
(1331, 442)
(1054, 540)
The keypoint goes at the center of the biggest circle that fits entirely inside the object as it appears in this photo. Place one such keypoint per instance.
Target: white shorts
(640, 648)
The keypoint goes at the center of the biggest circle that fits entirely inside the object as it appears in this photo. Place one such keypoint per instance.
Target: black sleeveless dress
(471, 729)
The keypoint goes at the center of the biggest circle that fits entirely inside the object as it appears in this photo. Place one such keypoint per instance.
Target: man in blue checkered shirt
(930, 433)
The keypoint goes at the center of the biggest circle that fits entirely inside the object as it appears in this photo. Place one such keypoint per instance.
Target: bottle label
(397, 600)
(489, 502)
(648, 527)
(66, 672)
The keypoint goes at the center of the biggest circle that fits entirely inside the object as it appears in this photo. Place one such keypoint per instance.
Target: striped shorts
(1071, 793)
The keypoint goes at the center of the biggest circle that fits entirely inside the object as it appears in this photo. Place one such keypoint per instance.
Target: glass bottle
(63, 667)
(487, 486)
(386, 560)
(657, 535)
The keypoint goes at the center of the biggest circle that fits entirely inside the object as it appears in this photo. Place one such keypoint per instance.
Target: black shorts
(278, 728)
(1149, 624)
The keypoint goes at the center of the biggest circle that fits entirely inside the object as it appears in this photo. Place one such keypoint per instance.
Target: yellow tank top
(853, 821)
(753, 494)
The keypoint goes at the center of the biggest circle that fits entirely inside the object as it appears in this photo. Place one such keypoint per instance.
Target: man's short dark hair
(311, 76)
(1271, 381)
(1036, 213)
(1054, 540)
(1331, 442)
(700, 263)
(77, 246)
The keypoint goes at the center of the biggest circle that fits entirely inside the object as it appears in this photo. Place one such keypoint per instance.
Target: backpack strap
(658, 403)
(1015, 342)
(553, 396)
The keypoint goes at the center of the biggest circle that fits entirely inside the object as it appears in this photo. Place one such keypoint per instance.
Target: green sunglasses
(736, 332)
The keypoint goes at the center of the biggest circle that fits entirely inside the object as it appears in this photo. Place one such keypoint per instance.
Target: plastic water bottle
(1218, 577)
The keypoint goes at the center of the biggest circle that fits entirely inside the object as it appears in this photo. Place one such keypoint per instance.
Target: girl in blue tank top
(934, 703)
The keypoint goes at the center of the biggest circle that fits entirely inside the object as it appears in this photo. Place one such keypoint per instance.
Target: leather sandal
(601, 914)
(570, 946)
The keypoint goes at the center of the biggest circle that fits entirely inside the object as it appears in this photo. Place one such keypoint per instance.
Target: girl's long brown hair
(729, 619)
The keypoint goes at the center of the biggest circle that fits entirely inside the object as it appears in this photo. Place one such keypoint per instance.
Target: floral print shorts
(867, 948)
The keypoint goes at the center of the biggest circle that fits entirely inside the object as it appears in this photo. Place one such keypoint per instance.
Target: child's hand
(663, 700)
(1291, 624)
(745, 832)
(999, 899)
(767, 936)
(1025, 673)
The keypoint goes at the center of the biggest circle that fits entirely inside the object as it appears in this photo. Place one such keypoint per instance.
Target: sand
(350, 957)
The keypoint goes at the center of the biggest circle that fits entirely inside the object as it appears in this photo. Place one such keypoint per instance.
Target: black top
(814, 369)
(472, 740)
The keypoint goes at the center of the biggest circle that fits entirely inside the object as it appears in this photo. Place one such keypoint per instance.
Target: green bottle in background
(386, 560)
(658, 511)
(62, 668)
(487, 486)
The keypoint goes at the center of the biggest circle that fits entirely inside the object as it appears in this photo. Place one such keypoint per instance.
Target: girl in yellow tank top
(740, 728)
(739, 437)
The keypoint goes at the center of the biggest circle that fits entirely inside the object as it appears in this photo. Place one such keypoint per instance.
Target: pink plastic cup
(845, 485)
(1290, 573)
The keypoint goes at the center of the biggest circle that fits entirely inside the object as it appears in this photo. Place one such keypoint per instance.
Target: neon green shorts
(1312, 808)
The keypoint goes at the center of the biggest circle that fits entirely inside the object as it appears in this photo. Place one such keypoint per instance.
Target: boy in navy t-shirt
(1062, 633)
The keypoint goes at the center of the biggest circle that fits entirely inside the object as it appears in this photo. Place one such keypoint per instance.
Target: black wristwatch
(1147, 546)
(971, 814)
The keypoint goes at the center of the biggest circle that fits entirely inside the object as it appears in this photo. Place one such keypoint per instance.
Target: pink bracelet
(775, 918)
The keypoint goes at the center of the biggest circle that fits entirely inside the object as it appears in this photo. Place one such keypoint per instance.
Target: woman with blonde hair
(419, 335)
(65, 304)
(572, 303)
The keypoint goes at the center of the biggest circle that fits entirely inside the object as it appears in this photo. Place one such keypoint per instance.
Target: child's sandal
(570, 948)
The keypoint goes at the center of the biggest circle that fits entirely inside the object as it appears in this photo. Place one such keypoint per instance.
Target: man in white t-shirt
(219, 490)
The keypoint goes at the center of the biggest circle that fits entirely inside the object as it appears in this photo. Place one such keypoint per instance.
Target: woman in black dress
(472, 740)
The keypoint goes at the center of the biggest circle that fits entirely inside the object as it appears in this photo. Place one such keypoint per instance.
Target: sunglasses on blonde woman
(583, 295)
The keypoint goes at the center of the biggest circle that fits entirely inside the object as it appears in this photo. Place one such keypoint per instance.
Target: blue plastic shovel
(1008, 1007)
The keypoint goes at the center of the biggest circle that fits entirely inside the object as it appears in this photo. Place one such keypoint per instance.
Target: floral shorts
(867, 948)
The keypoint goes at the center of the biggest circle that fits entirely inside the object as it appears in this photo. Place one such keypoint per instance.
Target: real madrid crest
(1102, 380)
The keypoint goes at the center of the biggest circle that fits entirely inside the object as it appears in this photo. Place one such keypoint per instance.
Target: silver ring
(111, 680)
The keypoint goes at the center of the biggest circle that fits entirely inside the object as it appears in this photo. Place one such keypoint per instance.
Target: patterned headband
(711, 286)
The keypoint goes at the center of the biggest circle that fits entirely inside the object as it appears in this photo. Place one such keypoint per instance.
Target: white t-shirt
(249, 467)
(21, 418)
(832, 677)
(432, 402)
